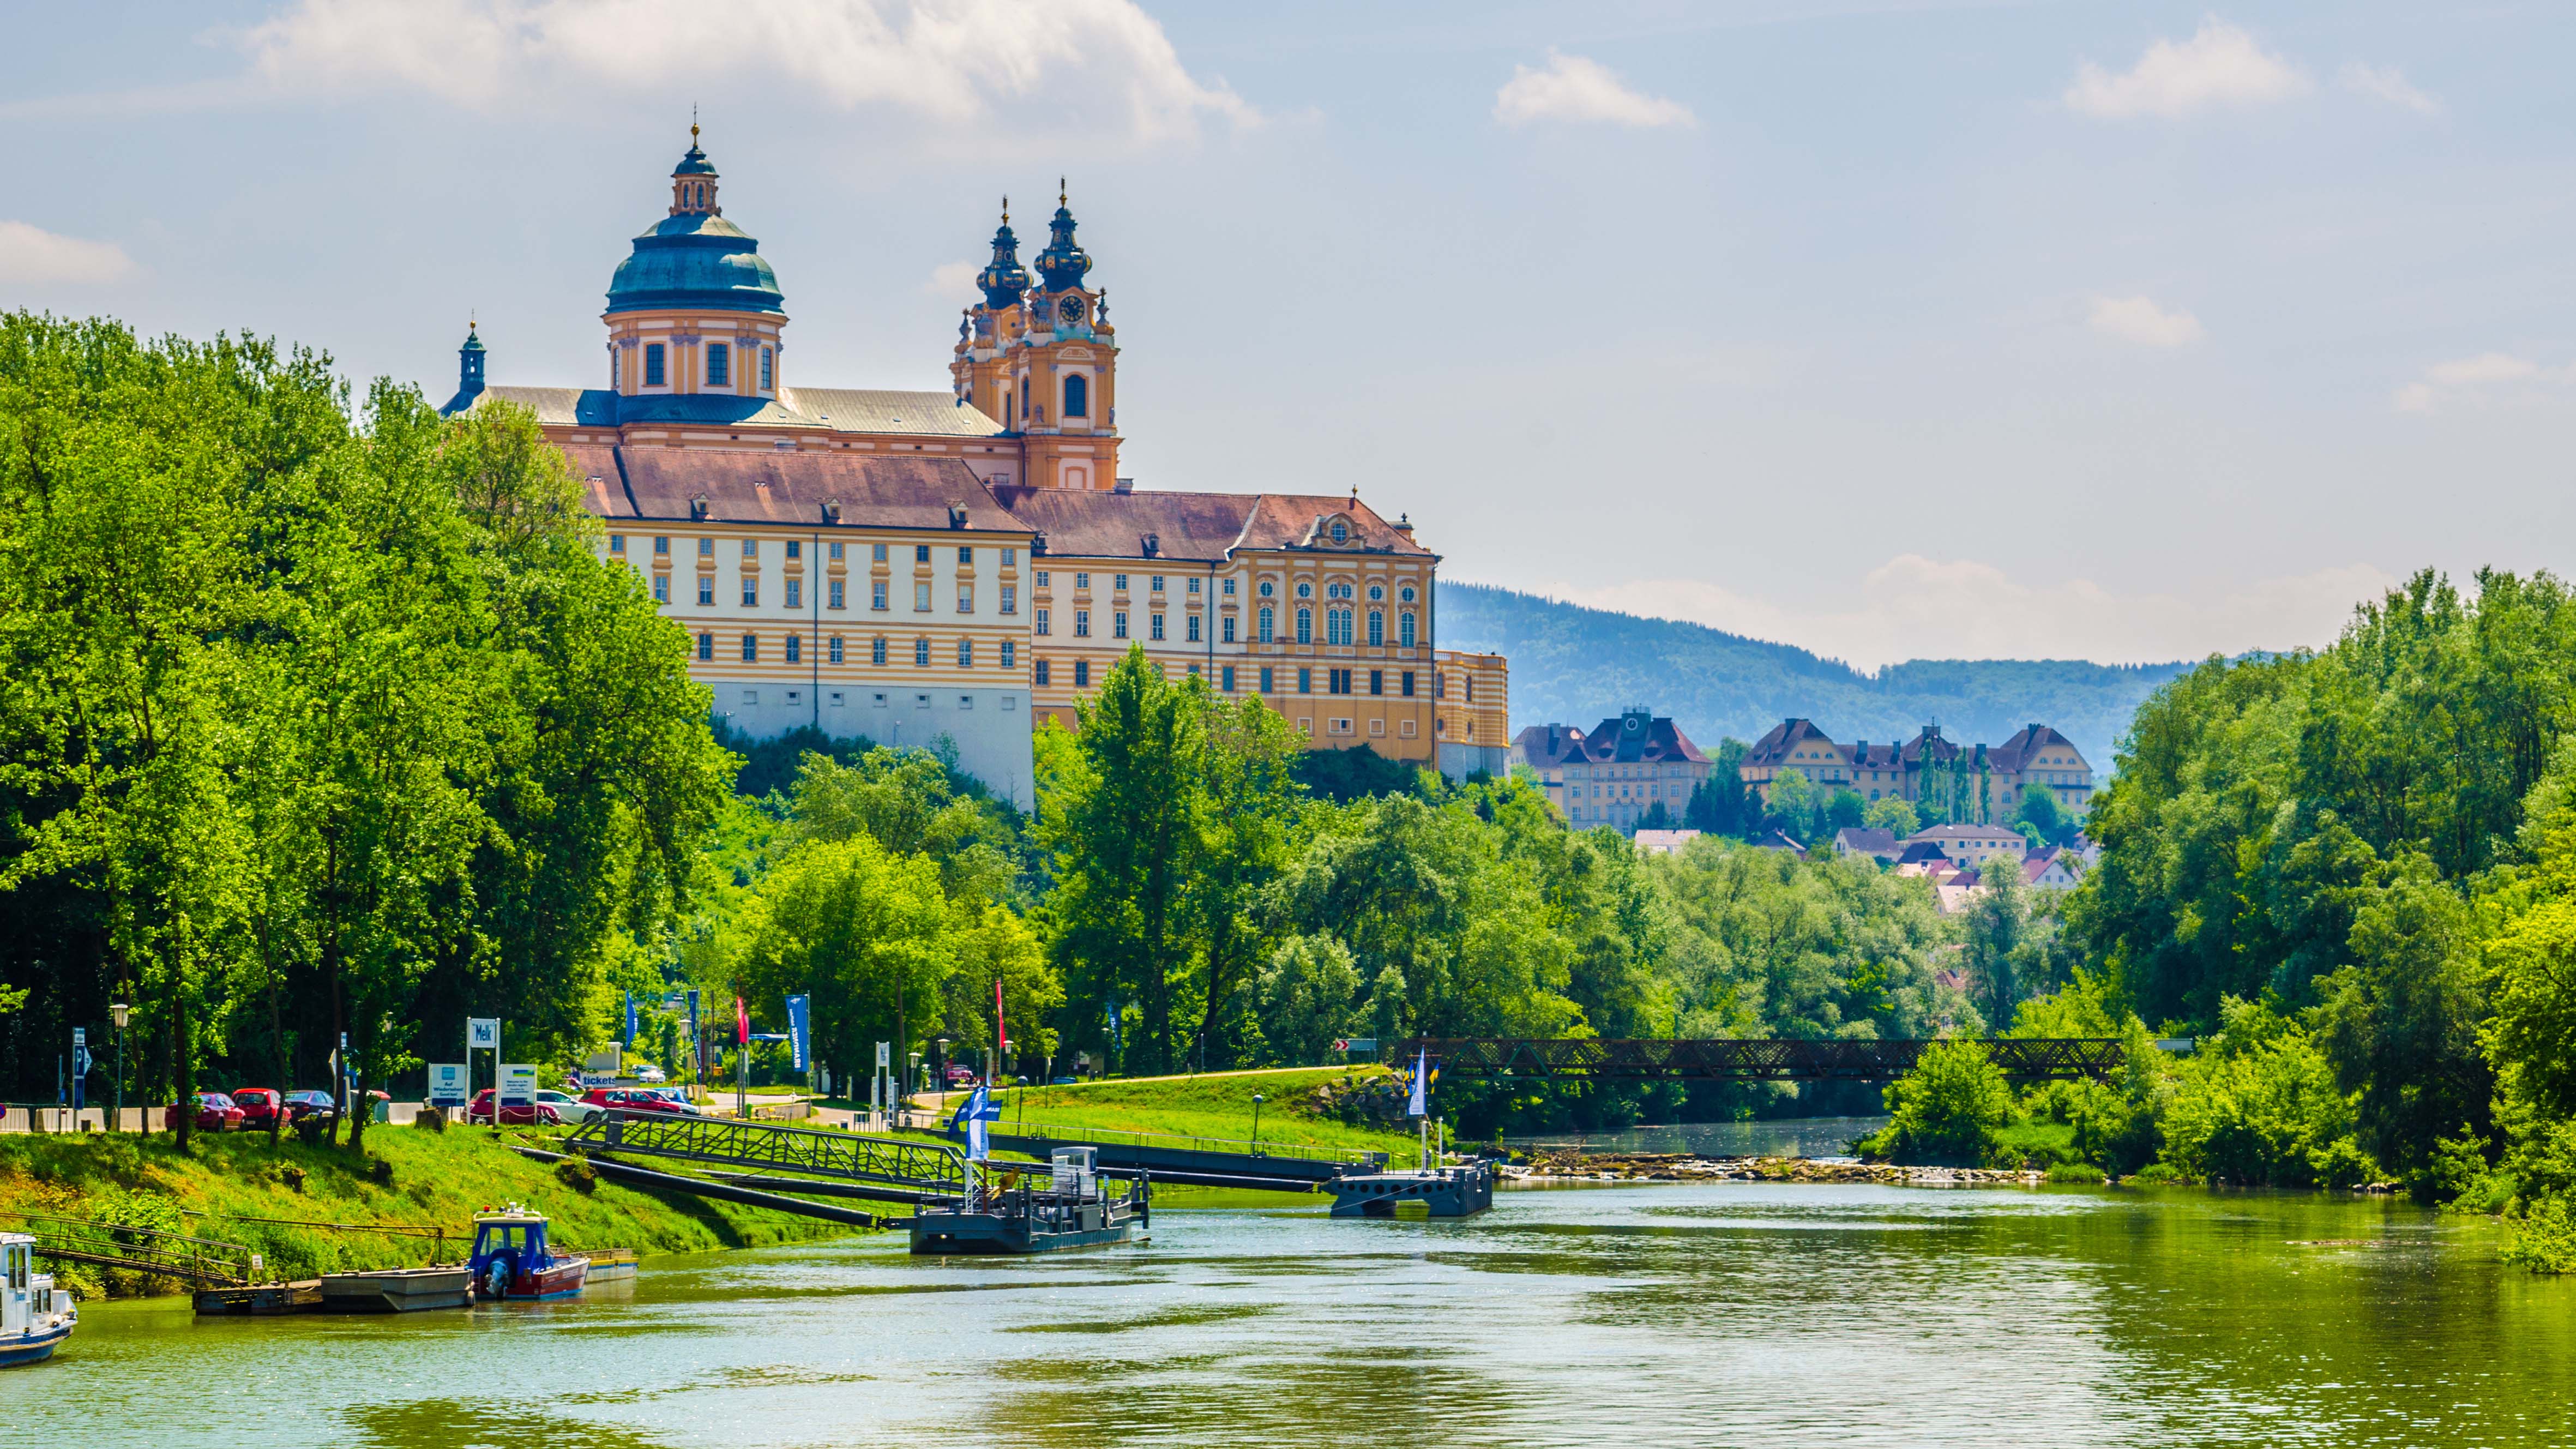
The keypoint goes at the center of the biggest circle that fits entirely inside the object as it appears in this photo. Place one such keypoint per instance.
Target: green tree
(2040, 821)
(865, 933)
(1951, 1109)
(1792, 806)
(1892, 815)
(1309, 998)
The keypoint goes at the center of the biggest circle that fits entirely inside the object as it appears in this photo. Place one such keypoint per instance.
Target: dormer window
(1341, 531)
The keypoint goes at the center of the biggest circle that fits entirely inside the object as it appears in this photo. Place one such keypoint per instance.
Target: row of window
(719, 358)
(837, 597)
(796, 550)
(1376, 592)
(836, 651)
(1338, 626)
(1336, 681)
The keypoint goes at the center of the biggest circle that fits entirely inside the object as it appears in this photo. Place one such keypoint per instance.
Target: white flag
(1421, 1072)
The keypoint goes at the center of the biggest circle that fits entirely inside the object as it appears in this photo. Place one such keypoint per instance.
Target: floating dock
(397, 1290)
(1068, 1207)
(261, 1299)
(1440, 1192)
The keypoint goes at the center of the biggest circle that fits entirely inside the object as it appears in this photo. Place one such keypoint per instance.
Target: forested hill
(1573, 665)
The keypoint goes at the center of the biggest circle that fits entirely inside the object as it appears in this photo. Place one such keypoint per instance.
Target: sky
(1890, 330)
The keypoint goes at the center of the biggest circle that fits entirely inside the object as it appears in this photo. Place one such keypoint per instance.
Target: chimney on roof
(1125, 485)
(1404, 524)
(2035, 728)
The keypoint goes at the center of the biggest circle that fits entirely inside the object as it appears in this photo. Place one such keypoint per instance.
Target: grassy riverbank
(1215, 1104)
(411, 1177)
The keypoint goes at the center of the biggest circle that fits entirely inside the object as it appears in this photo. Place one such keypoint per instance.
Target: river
(1736, 1314)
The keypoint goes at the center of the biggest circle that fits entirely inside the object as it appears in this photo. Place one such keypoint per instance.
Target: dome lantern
(1003, 279)
(1062, 265)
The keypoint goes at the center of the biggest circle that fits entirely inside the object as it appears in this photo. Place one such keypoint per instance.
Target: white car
(570, 1109)
(648, 1073)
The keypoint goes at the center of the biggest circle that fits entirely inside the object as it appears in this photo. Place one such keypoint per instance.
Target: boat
(1068, 1206)
(35, 1316)
(1439, 1192)
(397, 1290)
(511, 1259)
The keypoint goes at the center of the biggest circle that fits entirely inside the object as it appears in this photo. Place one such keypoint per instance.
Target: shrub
(2543, 1239)
(2077, 1172)
(2260, 1107)
(2155, 1174)
(577, 1174)
(1950, 1110)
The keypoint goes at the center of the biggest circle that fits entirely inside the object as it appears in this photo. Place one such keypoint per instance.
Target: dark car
(627, 1099)
(212, 1112)
(311, 1103)
(480, 1113)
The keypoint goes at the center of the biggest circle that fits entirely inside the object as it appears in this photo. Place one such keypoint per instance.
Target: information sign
(447, 1084)
(518, 1084)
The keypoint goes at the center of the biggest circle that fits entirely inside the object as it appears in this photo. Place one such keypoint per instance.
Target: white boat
(35, 1316)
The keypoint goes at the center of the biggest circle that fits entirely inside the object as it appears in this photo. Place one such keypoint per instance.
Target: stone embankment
(1683, 1167)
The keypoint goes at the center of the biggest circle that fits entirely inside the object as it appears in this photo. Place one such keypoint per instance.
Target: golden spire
(1006, 209)
(693, 123)
(1059, 191)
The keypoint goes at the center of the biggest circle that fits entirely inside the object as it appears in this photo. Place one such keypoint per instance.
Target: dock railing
(1183, 1142)
(201, 1261)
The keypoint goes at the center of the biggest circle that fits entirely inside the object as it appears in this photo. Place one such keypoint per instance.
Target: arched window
(1404, 629)
(1377, 627)
(1267, 630)
(1305, 626)
(1024, 397)
(1077, 397)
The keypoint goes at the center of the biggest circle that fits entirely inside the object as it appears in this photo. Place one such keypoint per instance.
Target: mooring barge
(1067, 1205)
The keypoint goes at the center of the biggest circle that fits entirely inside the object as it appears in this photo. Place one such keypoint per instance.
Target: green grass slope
(428, 1179)
(1216, 1105)
(1573, 665)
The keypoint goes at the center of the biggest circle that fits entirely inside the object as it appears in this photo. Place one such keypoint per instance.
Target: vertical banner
(629, 1039)
(696, 1057)
(80, 1063)
(796, 1030)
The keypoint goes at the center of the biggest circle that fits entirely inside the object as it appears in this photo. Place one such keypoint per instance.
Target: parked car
(311, 1104)
(211, 1112)
(632, 1099)
(480, 1113)
(960, 1075)
(260, 1106)
(569, 1108)
(648, 1073)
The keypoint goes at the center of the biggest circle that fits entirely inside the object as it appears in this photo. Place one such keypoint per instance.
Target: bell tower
(1044, 359)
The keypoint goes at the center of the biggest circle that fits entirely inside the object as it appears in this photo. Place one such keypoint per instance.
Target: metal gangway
(204, 1262)
(2023, 1059)
(790, 1159)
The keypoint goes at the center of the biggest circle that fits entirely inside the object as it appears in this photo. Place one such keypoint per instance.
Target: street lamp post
(119, 1011)
(939, 1066)
(1256, 1124)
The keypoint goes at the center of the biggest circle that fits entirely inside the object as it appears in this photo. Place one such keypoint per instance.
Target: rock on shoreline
(1683, 1167)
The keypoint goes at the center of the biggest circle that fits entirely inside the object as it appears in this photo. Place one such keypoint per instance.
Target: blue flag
(1421, 1078)
(978, 1110)
(796, 1030)
(630, 1019)
(1110, 1014)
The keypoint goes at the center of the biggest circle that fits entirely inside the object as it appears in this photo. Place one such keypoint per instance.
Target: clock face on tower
(1070, 309)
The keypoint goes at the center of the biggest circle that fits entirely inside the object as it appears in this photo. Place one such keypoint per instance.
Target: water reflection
(1787, 1137)
(1736, 1313)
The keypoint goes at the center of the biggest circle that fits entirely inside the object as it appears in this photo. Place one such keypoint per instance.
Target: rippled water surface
(1751, 1314)
(1784, 1137)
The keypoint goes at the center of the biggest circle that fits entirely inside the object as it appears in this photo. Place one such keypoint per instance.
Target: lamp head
(119, 1010)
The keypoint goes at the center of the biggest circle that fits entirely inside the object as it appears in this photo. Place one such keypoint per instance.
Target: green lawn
(433, 1179)
(1216, 1105)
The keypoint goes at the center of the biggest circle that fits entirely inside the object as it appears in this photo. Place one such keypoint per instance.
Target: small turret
(469, 374)
(1003, 279)
(693, 182)
(1062, 265)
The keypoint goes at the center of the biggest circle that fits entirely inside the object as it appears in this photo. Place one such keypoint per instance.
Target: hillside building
(1618, 772)
(967, 563)
(1941, 776)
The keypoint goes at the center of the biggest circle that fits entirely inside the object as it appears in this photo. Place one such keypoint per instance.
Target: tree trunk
(184, 1110)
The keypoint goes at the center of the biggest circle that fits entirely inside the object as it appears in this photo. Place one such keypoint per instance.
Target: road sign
(447, 1084)
(518, 1084)
(482, 1033)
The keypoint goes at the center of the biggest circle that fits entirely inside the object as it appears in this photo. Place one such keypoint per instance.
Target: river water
(1721, 1314)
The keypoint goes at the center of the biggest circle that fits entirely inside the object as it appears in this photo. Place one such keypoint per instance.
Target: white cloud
(2140, 320)
(33, 255)
(1912, 607)
(2485, 377)
(1575, 89)
(2219, 66)
(2387, 84)
(950, 279)
(951, 61)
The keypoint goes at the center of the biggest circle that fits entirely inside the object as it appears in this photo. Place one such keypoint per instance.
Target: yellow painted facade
(908, 565)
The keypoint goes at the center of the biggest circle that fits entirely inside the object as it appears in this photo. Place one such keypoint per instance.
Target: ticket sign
(447, 1084)
(518, 1084)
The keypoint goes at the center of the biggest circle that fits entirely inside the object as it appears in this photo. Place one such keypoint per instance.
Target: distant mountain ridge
(1574, 665)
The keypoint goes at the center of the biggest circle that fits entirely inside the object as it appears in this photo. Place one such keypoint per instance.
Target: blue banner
(630, 1020)
(796, 1036)
(1110, 1015)
(697, 1058)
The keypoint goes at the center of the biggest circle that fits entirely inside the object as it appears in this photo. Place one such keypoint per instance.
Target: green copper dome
(694, 258)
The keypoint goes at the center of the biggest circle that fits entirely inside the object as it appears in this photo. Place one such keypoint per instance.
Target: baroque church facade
(965, 564)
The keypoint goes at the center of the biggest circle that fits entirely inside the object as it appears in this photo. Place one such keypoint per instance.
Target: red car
(213, 1112)
(627, 1100)
(480, 1112)
(260, 1106)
